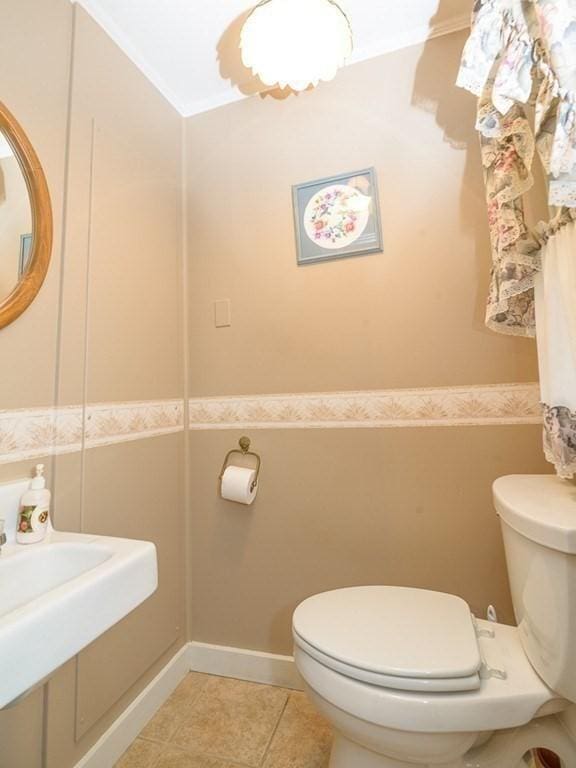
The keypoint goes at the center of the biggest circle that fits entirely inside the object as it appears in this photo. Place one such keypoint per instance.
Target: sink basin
(39, 571)
(57, 596)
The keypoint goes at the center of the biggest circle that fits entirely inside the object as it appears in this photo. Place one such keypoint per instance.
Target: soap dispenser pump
(34, 510)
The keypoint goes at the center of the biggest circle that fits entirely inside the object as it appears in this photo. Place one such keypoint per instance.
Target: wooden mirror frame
(29, 284)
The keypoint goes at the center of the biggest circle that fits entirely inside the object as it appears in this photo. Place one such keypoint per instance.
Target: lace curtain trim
(560, 439)
(507, 63)
(524, 52)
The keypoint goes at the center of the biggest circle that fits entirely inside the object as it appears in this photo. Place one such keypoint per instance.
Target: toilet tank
(538, 518)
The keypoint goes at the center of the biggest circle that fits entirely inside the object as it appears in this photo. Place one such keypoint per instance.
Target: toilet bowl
(425, 694)
(409, 677)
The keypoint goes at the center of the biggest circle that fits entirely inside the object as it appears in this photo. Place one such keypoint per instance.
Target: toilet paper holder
(244, 449)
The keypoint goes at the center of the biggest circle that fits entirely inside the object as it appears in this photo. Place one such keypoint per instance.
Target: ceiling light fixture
(296, 43)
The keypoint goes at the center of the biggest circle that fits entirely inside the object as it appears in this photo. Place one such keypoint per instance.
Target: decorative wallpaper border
(441, 407)
(31, 433)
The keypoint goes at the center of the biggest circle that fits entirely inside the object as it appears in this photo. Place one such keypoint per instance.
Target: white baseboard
(256, 666)
(111, 745)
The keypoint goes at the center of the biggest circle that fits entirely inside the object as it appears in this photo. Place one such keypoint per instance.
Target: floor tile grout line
(193, 706)
(193, 753)
(158, 742)
(176, 748)
(169, 741)
(158, 756)
(275, 730)
(222, 758)
(210, 756)
(165, 745)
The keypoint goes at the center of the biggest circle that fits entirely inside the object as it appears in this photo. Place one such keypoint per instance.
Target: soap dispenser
(34, 510)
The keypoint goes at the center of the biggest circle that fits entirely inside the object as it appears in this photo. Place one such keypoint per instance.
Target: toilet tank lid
(540, 507)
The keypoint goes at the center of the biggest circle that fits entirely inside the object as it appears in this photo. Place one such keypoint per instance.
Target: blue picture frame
(321, 222)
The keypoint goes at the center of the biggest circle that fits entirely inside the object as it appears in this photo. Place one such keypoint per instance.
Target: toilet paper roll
(236, 484)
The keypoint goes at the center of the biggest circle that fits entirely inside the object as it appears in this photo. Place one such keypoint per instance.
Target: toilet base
(501, 749)
(348, 754)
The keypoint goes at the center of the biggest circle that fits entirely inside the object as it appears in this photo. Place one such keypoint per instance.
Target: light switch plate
(222, 318)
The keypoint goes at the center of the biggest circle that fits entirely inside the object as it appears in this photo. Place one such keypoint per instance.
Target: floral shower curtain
(520, 61)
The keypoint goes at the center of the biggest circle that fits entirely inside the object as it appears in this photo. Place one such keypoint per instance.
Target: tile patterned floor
(218, 722)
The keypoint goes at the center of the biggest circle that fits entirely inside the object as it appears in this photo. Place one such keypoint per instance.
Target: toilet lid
(411, 639)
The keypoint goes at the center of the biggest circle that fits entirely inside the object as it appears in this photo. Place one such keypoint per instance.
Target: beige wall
(338, 507)
(35, 89)
(410, 317)
(346, 507)
(106, 327)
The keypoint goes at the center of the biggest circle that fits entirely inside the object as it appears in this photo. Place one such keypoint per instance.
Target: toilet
(409, 677)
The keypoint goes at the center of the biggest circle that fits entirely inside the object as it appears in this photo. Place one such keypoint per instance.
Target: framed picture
(25, 253)
(337, 217)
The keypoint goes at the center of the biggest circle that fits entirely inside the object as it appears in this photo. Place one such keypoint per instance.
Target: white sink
(38, 571)
(58, 596)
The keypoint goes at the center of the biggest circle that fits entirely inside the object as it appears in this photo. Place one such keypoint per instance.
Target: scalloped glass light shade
(296, 43)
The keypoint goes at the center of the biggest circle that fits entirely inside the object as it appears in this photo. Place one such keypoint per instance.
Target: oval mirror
(25, 220)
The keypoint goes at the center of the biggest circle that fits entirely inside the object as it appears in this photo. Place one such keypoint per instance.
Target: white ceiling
(189, 48)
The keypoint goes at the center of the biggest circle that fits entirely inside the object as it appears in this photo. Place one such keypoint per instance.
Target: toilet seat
(394, 637)
(431, 684)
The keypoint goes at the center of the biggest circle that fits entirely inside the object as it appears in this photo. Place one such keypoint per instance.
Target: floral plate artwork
(336, 216)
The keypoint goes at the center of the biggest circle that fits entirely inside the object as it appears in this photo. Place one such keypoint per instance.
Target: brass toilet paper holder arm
(244, 449)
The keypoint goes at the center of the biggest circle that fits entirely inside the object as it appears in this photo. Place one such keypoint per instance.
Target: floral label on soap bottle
(30, 516)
